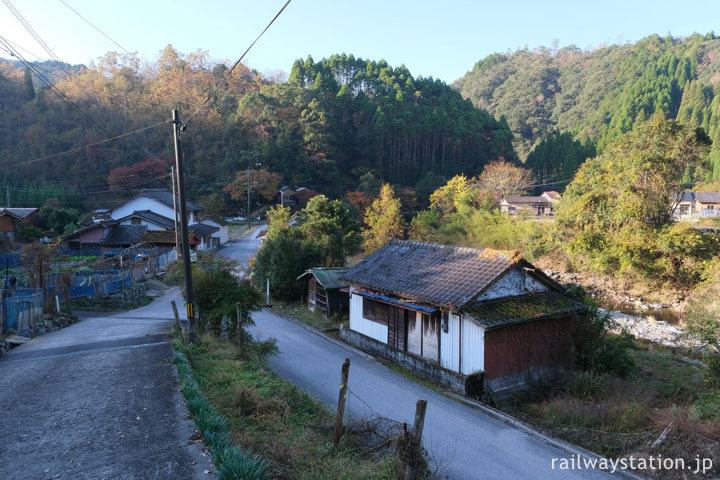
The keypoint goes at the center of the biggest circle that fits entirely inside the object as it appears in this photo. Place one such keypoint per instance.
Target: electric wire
(52, 87)
(30, 30)
(217, 87)
(77, 149)
(96, 28)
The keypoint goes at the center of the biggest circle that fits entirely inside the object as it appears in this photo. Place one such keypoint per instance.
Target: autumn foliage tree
(384, 220)
(263, 183)
(503, 179)
(140, 172)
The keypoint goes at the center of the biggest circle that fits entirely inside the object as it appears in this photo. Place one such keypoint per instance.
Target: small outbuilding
(327, 293)
(456, 315)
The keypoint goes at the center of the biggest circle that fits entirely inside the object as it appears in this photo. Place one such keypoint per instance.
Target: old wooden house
(450, 312)
(327, 293)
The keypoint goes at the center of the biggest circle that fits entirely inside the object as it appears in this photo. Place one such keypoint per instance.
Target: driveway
(98, 400)
(465, 442)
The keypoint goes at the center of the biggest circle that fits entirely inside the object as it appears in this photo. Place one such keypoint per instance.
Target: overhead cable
(96, 28)
(236, 64)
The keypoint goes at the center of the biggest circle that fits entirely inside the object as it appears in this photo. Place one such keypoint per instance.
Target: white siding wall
(473, 346)
(362, 325)
(515, 282)
(144, 203)
(450, 344)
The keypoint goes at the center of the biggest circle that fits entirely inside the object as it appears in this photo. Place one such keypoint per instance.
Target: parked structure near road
(461, 316)
(540, 206)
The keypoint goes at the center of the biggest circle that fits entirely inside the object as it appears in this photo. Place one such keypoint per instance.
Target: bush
(595, 351)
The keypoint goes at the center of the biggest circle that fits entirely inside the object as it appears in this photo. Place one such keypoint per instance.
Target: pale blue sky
(442, 39)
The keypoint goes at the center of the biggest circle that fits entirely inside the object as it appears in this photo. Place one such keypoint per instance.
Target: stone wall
(418, 365)
(121, 300)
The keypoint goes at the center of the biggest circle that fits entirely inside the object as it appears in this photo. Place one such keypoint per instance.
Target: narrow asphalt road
(98, 400)
(465, 443)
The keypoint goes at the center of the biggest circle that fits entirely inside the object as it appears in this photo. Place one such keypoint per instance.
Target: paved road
(465, 442)
(98, 400)
(243, 248)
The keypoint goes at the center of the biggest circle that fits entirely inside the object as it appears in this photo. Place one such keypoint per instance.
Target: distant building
(697, 205)
(540, 206)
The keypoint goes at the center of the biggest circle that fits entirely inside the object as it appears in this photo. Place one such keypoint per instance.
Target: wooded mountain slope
(600, 94)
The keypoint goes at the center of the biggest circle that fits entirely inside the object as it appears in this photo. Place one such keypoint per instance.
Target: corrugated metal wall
(472, 346)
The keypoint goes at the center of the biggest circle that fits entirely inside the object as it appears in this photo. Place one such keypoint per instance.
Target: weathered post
(416, 440)
(181, 335)
(341, 402)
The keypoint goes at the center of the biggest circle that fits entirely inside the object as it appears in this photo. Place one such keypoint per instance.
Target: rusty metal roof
(437, 274)
(125, 235)
(524, 308)
(328, 277)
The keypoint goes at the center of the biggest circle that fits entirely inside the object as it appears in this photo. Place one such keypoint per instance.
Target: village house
(466, 318)
(697, 205)
(14, 219)
(156, 200)
(540, 206)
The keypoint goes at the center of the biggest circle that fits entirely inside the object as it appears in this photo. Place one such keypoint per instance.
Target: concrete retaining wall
(420, 366)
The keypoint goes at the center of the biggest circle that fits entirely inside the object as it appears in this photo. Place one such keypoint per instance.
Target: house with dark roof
(326, 291)
(462, 317)
(697, 205)
(540, 206)
(13, 219)
(156, 200)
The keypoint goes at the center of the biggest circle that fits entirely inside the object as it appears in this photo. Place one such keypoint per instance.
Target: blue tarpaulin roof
(396, 301)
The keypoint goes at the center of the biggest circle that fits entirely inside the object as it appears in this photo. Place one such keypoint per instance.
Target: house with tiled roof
(697, 205)
(462, 317)
(156, 200)
(540, 206)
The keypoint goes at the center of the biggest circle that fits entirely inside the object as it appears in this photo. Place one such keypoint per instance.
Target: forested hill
(337, 122)
(341, 119)
(602, 93)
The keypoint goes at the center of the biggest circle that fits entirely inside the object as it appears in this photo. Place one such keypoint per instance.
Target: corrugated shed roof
(524, 308)
(437, 274)
(125, 235)
(329, 277)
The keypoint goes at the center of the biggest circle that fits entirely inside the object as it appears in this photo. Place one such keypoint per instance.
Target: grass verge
(270, 416)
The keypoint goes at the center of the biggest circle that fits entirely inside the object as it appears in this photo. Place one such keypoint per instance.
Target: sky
(439, 39)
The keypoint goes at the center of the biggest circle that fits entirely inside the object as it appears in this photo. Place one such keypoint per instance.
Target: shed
(327, 293)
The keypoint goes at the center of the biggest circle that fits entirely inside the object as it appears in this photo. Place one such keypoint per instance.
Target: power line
(29, 29)
(236, 64)
(89, 145)
(96, 28)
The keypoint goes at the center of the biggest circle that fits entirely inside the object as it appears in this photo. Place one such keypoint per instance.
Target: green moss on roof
(524, 308)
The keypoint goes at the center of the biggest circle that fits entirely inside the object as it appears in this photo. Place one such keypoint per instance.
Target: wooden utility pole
(178, 127)
(175, 212)
(341, 402)
(416, 440)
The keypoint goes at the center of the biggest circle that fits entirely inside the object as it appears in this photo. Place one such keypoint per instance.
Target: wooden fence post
(181, 335)
(341, 402)
(416, 440)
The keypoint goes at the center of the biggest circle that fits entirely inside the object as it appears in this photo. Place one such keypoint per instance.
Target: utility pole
(175, 212)
(178, 127)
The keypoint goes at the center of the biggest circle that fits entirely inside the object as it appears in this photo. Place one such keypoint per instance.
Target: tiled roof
(328, 277)
(21, 212)
(708, 197)
(164, 196)
(125, 235)
(202, 230)
(524, 308)
(158, 237)
(527, 200)
(152, 217)
(437, 274)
